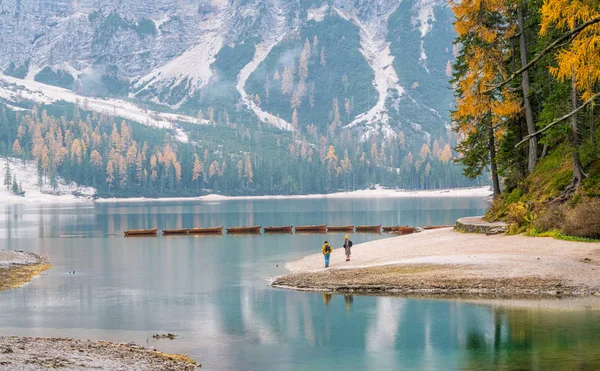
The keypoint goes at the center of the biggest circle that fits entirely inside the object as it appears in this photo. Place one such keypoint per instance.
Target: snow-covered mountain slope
(201, 55)
(14, 90)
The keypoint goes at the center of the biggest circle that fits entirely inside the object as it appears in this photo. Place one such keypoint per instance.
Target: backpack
(328, 249)
(349, 243)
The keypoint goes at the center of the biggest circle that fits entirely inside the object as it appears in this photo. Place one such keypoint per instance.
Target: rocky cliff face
(179, 53)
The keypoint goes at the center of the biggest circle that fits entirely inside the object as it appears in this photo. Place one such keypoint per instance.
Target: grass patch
(17, 275)
(551, 176)
(559, 236)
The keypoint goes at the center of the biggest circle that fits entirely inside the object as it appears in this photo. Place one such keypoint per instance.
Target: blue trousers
(326, 256)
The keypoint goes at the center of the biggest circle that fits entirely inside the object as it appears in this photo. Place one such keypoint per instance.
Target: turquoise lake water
(214, 293)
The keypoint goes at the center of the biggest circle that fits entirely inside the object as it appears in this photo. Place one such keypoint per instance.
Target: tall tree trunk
(493, 166)
(592, 127)
(578, 173)
(533, 145)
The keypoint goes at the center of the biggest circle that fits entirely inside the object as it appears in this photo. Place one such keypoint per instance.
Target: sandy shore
(445, 262)
(367, 193)
(25, 353)
(19, 267)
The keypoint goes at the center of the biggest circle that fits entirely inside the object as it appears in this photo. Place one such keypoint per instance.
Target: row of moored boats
(275, 229)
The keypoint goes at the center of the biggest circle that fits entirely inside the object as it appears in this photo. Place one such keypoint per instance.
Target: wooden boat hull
(209, 230)
(312, 228)
(393, 228)
(341, 228)
(283, 229)
(176, 232)
(240, 230)
(140, 232)
(405, 230)
(369, 228)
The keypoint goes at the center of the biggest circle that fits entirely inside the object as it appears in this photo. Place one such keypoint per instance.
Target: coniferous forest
(122, 158)
(527, 87)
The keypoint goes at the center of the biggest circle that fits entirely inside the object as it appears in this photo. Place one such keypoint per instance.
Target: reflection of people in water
(349, 299)
(327, 298)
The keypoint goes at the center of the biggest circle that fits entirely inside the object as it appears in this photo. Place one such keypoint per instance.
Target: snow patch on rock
(317, 14)
(15, 90)
(376, 50)
(193, 64)
(424, 22)
(276, 34)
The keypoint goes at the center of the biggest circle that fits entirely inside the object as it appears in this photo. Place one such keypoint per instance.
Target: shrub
(518, 213)
(584, 220)
(551, 218)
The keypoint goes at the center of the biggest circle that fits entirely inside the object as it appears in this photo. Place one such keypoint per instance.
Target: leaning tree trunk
(592, 127)
(533, 144)
(493, 166)
(578, 173)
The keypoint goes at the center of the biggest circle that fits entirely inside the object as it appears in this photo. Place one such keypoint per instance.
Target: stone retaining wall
(478, 225)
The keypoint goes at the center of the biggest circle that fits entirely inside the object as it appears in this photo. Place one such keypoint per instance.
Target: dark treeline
(122, 158)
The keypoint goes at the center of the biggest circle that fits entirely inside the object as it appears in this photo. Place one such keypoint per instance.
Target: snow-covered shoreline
(376, 193)
(26, 174)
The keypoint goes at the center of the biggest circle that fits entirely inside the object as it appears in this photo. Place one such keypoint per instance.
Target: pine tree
(287, 81)
(345, 83)
(17, 148)
(197, 170)
(336, 122)
(295, 120)
(304, 58)
(15, 185)
(248, 172)
(347, 107)
(110, 173)
(323, 61)
(7, 176)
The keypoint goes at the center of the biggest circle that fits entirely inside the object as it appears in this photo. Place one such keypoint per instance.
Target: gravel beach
(27, 354)
(446, 262)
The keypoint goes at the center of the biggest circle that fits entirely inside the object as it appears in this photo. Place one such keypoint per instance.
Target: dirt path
(25, 353)
(447, 262)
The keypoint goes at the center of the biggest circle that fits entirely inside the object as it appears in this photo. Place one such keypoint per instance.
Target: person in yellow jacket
(326, 249)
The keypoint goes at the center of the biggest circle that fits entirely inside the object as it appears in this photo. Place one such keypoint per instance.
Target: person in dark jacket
(347, 246)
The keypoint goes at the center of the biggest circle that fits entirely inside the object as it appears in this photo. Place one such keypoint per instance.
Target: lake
(213, 291)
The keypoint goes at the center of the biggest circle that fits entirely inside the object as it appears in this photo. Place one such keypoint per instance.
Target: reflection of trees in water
(536, 339)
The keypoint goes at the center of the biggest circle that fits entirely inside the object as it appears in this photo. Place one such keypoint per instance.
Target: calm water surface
(213, 291)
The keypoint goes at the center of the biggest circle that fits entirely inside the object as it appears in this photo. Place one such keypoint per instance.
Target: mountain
(387, 58)
(313, 96)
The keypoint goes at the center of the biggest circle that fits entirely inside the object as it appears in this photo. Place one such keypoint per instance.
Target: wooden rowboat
(140, 232)
(282, 229)
(405, 230)
(428, 227)
(173, 232)
(393, 228)
(340, 228)
(369, 228)
(312, 228)
(253, 229)
(209, 230)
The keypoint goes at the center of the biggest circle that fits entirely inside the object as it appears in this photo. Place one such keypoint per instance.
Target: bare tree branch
(556, 44)
(565, 117)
